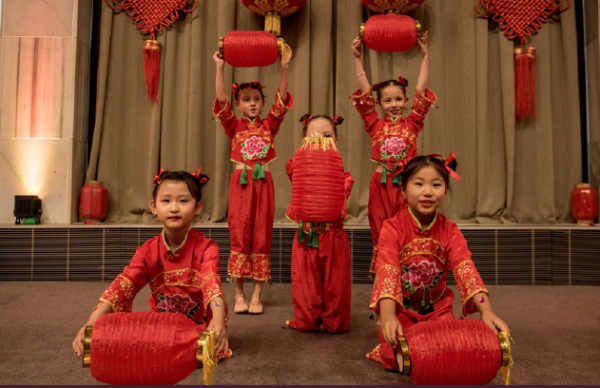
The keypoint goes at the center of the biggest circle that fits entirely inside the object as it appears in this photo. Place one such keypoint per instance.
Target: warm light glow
(32, 165)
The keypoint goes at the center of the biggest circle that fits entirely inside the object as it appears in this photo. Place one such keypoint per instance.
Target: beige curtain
(511, 172)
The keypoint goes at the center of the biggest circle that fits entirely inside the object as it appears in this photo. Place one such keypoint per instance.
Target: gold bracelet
(363, 73)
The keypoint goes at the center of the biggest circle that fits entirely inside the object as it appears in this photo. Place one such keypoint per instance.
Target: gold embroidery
(422, 104)
(365, 103)
(423, 247)
(279, 108)
(252, 130)
(468, 280)
(387, 285)
(226, 110)
(119, 295)
(400, 129)
(185, 277)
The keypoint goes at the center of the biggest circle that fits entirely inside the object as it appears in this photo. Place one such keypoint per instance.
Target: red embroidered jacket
(183, 280)
(337, 224)
(252, 140)
(412, 264)
(393, 141)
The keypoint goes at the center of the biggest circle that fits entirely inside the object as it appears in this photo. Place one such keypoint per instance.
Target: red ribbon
(306, 120)
(234, 88)
(256, 84)
(403, 81)
(157, 179)
(253, 84)
(451, 157)
(197, 174)
(336, 120)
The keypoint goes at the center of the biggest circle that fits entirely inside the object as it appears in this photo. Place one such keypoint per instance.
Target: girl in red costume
(181, 264)
(417, 248)
(321, 277)
(251, 193)
(393, 138)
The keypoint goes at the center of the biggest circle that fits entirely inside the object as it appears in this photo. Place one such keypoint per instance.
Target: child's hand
(495, 323)
(391, 328)
(78, 341)
(221, 339)
(357, 47)
(220, 62)
(286, 56)
(422, 44)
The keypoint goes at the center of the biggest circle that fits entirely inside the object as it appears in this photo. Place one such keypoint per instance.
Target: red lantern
(273, 10)
(584, 204)
(147, 349)
(93, 204)
(250, 48)
(395, 6)
(390, 33)
(454, 352)
(318, 181)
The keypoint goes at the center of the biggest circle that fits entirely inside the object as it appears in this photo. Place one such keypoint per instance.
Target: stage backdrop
(511, 172)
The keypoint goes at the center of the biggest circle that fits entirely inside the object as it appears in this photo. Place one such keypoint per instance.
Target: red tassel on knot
(152, 67)
(525, 95)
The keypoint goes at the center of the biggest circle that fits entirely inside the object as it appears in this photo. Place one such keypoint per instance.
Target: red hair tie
(157, 178)
(376, 87)
(234, 88)
(451, 157)
(306, 120)
(256, 84)
(336, 120)
(197, 174)
(403, 81)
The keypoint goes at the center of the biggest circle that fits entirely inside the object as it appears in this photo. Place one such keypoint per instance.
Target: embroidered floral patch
(393, 148)
(423, 275)
(254, 147)
(180, 304)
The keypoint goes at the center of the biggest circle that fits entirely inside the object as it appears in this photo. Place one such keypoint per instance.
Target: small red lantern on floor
(93, 205)
(584, 204)
(273, 10)
(395, 6)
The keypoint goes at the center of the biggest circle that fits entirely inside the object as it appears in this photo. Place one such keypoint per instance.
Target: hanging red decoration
(390, 33)
(395, 6)
(273, 10)
(519, 20)
(584, 204)
(250, 48)
(151, 16)
(93, 204)
(318, 181)
(454, 352)
(147, 349)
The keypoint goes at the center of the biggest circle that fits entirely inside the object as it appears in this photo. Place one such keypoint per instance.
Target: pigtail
(337, 120)
(305, 119)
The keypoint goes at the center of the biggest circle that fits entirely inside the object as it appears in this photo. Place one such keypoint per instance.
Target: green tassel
(397, 179)
(258, 172)
(300, 232)
(243, 177)
(384, 176)
(313, 239)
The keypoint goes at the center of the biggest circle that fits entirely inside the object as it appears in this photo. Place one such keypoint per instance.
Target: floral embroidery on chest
(180, 304)
(422, 275)
(254, 147)
(394, 130)
(393, 148)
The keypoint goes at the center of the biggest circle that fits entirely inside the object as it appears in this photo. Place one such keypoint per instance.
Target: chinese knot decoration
(150, 16)
(519, 20)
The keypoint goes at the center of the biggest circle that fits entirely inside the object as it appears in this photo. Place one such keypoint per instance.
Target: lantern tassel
(152, 68)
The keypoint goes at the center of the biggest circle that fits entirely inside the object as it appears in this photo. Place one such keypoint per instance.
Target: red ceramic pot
(584, 204)
(93, 205)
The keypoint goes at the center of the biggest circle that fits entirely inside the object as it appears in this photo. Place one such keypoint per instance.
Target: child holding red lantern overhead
(417, 248)
(251, 194)
(181, 265)
(393, 138)
(321, 275)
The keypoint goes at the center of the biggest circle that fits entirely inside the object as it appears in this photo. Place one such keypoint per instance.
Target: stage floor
(555, 329)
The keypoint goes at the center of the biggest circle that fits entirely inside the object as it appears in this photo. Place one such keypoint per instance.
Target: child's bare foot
(256, 307)
(241, 306)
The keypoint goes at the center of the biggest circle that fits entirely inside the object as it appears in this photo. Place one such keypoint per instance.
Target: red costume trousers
(322, 284)
(385, 354)
(385, 200)
(250, 217)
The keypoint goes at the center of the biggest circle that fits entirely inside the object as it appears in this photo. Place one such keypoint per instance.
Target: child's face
(250, 102)
(425, 192)
(175, 207)
(320, 127)
(392, 101)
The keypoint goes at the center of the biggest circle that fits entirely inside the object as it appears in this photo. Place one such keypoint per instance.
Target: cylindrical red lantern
(273, 10)
(147, 348)
(396, 6)
(390, 33)
(318, 181)
(453, 352)
(93, 204)
(584, 204)
(250, 48)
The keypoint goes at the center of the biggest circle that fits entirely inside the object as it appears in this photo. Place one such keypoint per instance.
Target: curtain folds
(511, 172)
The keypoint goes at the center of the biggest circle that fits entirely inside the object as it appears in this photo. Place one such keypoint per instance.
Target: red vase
(93, 205)
(584, 204)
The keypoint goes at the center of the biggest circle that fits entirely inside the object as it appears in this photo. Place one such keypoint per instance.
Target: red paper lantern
(396, 6)
(584, 204)
(273, 10)
(318, 181)
(390, 33)
(93, 204)
(453, 352)
(250, 48)
(147, 349)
